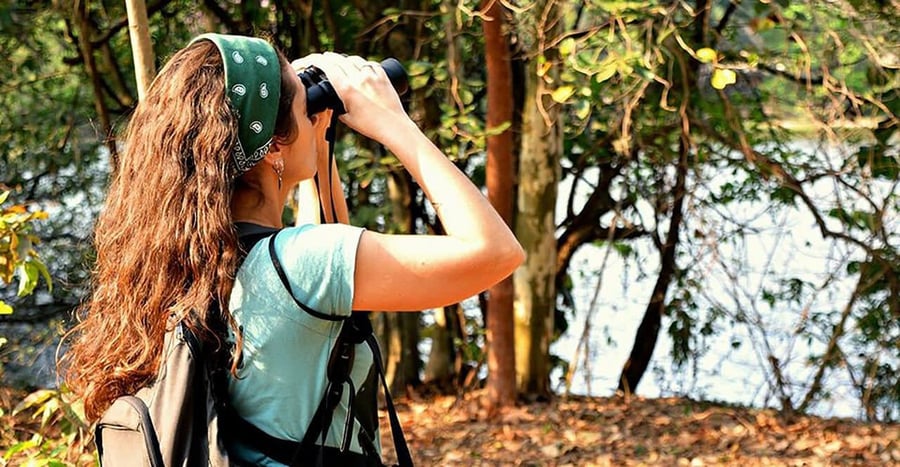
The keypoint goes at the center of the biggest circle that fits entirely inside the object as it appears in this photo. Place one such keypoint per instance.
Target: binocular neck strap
(329, 137)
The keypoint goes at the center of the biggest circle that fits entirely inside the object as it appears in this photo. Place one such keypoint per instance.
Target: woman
(213, 151)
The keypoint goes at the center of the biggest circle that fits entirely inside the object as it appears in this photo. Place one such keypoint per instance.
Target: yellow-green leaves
(706, 55)
(563, 93)
(17, 254)
(722, 77)
(567, 46)
(607, 69)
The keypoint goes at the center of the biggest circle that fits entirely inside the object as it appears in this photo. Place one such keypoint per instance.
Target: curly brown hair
(165, 242)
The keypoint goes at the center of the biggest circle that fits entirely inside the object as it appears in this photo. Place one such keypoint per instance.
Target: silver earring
(279, 169)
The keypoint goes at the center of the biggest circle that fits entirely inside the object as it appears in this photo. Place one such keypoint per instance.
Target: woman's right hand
(373, 106)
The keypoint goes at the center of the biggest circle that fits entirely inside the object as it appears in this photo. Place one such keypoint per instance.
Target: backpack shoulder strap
(287, 285)
(249, 234)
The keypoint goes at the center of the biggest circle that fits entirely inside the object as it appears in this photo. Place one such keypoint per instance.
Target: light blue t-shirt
(285, 351)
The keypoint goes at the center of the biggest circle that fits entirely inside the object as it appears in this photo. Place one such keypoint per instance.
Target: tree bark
(540, 152)
(402, 329)
(501, 383)
(141, 47)
(90, 65)
(444, 362)
(648, 331)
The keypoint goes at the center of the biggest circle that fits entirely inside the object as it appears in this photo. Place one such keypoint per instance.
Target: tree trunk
(90, 65)
(501, 382)
(141, 48)
(444, 361)
(401, 329)
(648, 330)
(541, 148)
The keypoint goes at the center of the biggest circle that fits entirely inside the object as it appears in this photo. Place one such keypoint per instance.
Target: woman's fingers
(363, 87)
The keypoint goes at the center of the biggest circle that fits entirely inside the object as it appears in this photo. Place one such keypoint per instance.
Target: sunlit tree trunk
(500, 185)
(141, 48)
(540, 151)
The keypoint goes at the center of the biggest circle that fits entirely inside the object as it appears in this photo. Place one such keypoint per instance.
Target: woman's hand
(373, 106)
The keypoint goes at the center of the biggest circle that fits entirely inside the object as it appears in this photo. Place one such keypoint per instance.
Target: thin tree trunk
(501, 382)
(443, 361)
(402, 351)
(90, 64)
(141, 47)
(648, 331)
(539, 156)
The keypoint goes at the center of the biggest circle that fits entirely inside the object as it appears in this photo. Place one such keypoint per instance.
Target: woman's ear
(277, 147)
(274, 155)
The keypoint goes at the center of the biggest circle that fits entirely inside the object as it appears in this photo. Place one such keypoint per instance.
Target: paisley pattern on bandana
(250, 64)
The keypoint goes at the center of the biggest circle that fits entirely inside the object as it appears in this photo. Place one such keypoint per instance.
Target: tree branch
(727, 16)
(123, 23)
(800, 79)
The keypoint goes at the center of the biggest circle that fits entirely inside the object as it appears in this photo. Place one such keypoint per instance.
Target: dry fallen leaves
(599, 432)
(451, 431)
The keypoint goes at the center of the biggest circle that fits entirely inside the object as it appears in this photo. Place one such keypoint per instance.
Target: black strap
(361, 325)
(249, 234)
(403, 456)
(287, 285)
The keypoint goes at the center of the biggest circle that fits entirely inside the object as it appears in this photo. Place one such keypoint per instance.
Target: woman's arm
(414, 272)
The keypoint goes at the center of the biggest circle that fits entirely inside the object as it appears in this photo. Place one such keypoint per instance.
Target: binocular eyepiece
(320, 94)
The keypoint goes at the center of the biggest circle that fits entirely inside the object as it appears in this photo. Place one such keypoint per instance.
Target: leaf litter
(615, 431)
(581, 431)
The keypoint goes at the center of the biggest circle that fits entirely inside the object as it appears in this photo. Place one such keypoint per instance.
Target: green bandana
(253, 86)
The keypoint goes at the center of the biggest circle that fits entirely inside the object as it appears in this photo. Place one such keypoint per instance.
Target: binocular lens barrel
(320, 94)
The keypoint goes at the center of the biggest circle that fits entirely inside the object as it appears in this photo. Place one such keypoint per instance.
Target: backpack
(183, 418)
(173, 421)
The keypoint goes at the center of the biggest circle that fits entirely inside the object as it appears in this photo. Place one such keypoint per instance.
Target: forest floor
(580, 431)
(575, 431)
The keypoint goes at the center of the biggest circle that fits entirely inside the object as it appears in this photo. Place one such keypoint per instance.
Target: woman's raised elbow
(511, 255)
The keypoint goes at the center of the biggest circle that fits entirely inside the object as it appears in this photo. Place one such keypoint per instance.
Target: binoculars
(320, 94)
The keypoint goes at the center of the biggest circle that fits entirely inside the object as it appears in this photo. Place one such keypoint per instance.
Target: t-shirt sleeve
(320, 261)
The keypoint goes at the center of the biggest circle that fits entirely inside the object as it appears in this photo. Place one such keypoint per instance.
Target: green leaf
(606, 70)
(28, 277)
(418, 82)
(563, 93)
(419, 67)
(722, 78)
(567, 46)
(35, 400)
(3, 196)
(583, 109)
(42, 268)
(706, 55)
(27, 444)
(5, 310)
